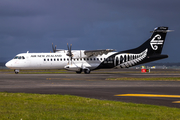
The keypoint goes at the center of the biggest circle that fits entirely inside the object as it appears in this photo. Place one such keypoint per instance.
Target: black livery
(147, 52)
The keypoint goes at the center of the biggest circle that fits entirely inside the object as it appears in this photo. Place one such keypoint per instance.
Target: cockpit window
(16, 57)
(19, 57)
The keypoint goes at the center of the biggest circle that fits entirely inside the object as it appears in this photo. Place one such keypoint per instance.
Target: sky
(33, 25)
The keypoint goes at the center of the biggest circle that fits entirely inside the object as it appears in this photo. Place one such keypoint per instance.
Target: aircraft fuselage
(57, 60)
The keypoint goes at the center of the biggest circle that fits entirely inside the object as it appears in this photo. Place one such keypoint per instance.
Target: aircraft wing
(90, 53)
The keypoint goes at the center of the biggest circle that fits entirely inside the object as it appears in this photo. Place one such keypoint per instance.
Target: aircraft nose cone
(8, 64)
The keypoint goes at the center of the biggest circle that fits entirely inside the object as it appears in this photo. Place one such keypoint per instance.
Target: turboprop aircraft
(88, 60)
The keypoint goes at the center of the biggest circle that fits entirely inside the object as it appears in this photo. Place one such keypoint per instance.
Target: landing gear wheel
(16, 71)
(87, 71)
(79, 72)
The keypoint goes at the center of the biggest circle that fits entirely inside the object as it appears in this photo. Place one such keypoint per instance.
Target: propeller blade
(54, 48)
(68, 46)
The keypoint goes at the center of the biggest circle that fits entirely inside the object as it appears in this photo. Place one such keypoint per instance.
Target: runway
(96, 86)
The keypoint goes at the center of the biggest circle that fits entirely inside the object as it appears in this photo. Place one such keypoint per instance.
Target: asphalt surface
(96, 86)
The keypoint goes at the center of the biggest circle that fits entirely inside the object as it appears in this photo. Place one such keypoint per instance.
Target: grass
(21, 106)
(147, 78)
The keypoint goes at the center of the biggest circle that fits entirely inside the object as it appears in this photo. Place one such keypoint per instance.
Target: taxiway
(96, 86)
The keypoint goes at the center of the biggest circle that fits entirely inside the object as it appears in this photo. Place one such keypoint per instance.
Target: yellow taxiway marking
(176, 102)
(149, 95)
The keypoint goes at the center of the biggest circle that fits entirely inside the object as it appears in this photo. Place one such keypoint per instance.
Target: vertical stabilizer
(155, 43)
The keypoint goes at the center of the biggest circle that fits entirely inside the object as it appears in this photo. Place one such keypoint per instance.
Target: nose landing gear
(16, 71)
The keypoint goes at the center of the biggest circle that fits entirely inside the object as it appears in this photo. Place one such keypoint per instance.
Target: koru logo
(156, 41)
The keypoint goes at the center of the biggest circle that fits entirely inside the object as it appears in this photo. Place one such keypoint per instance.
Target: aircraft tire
(79, 72)
(87, 71)
(16, 71)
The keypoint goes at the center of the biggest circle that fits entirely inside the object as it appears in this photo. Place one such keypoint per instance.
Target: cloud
(33, 25)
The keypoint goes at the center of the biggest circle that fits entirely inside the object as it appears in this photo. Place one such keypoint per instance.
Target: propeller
(54, 48)
(69, 52)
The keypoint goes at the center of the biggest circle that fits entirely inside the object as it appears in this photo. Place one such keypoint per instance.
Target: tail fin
(154, 44)
(148, 51)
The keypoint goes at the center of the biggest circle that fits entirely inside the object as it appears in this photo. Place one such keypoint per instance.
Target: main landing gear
(79, 72)
(16, 71)
(86, 71)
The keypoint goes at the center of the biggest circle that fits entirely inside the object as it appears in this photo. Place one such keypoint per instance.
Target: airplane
(88, 60)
